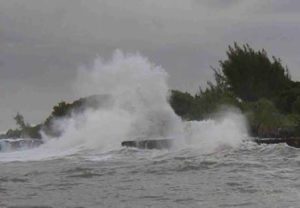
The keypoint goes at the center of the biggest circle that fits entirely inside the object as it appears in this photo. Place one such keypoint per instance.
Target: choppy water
(85, 167)
(248, 176)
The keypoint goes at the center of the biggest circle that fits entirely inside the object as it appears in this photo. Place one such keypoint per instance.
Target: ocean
(213, 162)
(248, 176)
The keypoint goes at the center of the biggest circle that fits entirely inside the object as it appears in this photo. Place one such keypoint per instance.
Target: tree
(251, 75)
(263, 116)
(209, 101)
(182, 103)
(61, 109)
(286, 100)
(296, 106)
(20, 121)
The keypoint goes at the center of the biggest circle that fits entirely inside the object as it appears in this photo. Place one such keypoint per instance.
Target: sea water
(213, 162)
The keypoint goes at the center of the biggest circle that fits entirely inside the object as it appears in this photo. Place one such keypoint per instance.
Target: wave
(138, 108)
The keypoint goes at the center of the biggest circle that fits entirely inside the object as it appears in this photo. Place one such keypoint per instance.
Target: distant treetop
(251, 74)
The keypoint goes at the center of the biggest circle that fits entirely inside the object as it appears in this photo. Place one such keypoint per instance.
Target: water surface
(249, 176)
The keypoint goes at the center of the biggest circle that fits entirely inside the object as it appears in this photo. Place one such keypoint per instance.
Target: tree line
(259, 85)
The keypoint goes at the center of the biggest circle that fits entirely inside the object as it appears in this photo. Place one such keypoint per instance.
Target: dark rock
(269, 140)
(167, 143)
(292, 141)
(149, 144)
(16, 144)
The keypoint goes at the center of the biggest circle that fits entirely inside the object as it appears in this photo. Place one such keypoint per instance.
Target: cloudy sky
(43, 42)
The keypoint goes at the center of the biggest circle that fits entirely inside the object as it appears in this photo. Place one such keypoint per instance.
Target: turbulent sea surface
(248, 176)
(213, 163)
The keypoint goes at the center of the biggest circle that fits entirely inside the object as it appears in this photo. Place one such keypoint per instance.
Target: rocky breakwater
(149, 144)
(18, 144)
(167, 143)
(291, 141)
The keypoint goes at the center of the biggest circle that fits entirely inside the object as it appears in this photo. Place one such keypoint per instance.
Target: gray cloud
(43, 42)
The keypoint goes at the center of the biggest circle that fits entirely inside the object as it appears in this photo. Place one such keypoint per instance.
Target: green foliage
(263, 113)
(20, 121)
(265, 120)
(211, 99)
(270, 99)
(287, 99)
(61, 109)
(251, 75)
(203, 104)
(261, 87)
(25, 130)
(13, 133)
(292, 122)
(296, 105)
(65, 110)
(182, 103)
(32, 132)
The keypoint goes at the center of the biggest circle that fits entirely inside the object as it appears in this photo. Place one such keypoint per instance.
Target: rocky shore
(167, 143)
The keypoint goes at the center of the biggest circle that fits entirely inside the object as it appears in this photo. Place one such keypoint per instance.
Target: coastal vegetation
(259, 85)
(59, 111)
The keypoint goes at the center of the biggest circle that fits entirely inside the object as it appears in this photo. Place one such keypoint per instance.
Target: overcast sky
(43, 42)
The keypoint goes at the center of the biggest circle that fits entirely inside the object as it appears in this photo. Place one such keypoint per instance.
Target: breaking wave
(137, 108)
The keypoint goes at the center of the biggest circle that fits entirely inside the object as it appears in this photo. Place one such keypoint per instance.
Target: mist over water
(136, 107)
(210, 164)
(227, 130)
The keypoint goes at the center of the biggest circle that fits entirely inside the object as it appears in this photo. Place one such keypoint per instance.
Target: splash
(137, 108)
(227, 130)
(138, 105)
